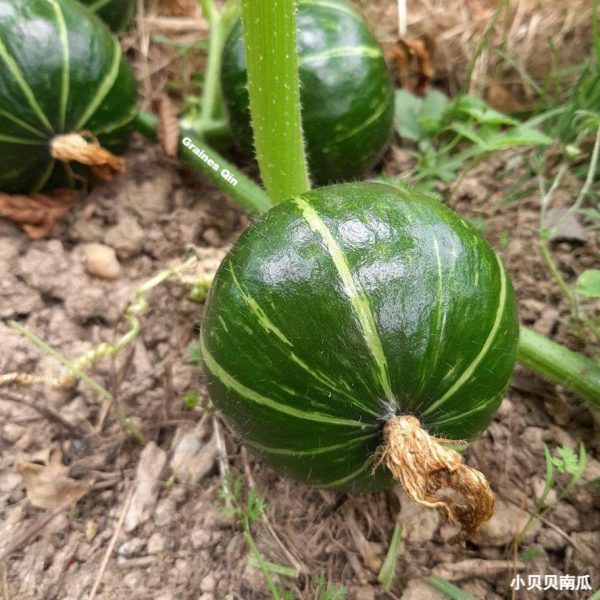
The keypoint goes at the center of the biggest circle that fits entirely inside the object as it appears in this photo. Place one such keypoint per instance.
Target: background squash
(346, 91)
(344, 307)
(61, 71)
(118, 14)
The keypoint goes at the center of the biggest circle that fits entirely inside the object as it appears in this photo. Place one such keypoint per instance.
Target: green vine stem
(227, 177)
(212, 122)
(273, 85)
(559, 365)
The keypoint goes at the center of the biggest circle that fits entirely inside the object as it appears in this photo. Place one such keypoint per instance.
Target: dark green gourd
(116, 13)
(61, 71)
(346, 91)
(344, 307)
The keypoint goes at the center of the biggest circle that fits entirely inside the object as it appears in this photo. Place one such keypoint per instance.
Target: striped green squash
(348, 305)
(346, 91)
(116, 13)
(61, 71)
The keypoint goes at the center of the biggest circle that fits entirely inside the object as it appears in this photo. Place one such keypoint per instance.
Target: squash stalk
(244, 191)
(425, 465)
(557, 364)
(274, 88)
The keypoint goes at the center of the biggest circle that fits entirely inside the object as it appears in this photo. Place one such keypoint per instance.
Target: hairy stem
(247, 194)
(571, 370)
(273, 85)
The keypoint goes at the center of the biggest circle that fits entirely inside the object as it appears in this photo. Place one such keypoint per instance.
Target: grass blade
(386, 574)
(448, 588)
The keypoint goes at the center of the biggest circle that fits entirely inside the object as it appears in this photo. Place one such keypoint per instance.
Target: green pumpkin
(346, 91)
(345, 306)
(61, 71)
(118, 14)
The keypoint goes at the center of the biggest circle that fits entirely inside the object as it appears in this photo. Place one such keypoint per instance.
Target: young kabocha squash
(343, 314)
(346, 91)
(63, 82)
(116, 13)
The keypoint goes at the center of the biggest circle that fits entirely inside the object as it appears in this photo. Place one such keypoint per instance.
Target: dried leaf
(413, 62)
(168, 126)
(39, 213)
(48, 485)
(500, 98)
(177, 8)
(145, 486)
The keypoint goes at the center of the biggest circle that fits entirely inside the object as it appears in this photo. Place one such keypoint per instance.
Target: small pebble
(212, 236)
(209, 583)
(156, 544)
(101, 261)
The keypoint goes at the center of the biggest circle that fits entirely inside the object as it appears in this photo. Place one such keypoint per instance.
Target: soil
(150, 521)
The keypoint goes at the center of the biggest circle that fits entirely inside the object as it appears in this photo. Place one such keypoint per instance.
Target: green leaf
(191, 400)
(448, 588)
(432, 111)
(475, 109)
(530, 554)
(517, 136)
(566, 461)
(588, 284)
(408, 108)
(274, 568)
(386, 574)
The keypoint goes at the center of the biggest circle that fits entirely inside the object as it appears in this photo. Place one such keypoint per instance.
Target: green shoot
(564, 462)
(191, 399)
(452, 591)
(245, 513)
(388, 569)
(329, 593)
(194, 354)
(274, 89)
(530, 554)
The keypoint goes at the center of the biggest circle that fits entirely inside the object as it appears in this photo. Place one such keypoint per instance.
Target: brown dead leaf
(168, 126)
(48, 486)
(39, 213)
(412, 60)
(500, 98)
(177, 8)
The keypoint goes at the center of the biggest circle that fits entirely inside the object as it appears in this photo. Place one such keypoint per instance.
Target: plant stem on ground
(559, 365)
(273, 86)
(247, 194)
